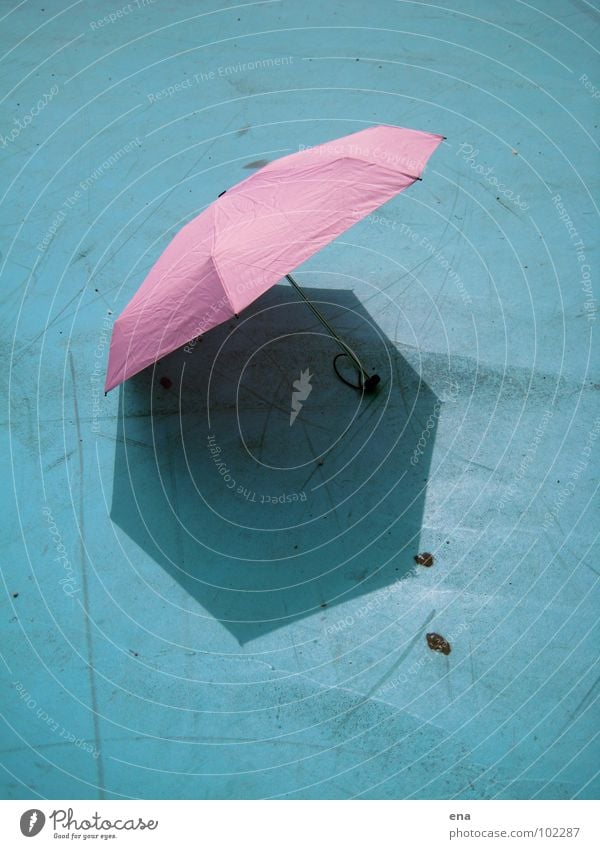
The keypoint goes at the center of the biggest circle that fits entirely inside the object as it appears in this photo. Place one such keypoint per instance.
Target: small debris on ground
(425, 559)
(437, 643)
(166, 383)
(258, 163)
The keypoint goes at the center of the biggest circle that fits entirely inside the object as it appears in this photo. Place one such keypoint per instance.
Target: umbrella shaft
(326, 324)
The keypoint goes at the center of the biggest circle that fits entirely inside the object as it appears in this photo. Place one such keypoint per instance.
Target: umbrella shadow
(259, 481)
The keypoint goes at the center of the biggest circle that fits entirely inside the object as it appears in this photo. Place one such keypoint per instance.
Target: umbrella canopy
(256, 233)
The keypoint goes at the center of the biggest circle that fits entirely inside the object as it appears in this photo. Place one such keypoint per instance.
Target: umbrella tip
(371, 382)
(222, 193)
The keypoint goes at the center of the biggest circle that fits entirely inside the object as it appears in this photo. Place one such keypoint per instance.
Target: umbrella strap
(358, 385)
(366, 381)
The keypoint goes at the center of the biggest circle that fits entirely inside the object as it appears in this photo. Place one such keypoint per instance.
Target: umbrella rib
(213, 259)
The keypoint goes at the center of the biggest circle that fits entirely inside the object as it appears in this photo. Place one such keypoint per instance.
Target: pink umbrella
(254, 234)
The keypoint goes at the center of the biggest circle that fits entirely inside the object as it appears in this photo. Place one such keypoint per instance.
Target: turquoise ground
(166, 634)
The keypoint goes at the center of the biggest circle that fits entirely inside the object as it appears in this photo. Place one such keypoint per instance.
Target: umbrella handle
(367, 383)
(371, 382)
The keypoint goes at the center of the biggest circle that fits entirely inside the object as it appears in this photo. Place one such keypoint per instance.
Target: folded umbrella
(255, 234)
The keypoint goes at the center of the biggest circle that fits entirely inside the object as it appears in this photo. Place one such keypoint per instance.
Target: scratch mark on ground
(418, 636)
(31, 342)
(2, 658)
(85, 594)
(474, 463)
(583, 701)
(473, 679)
(62, 459)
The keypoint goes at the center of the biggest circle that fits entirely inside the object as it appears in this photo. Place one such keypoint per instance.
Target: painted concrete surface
(166, 634)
